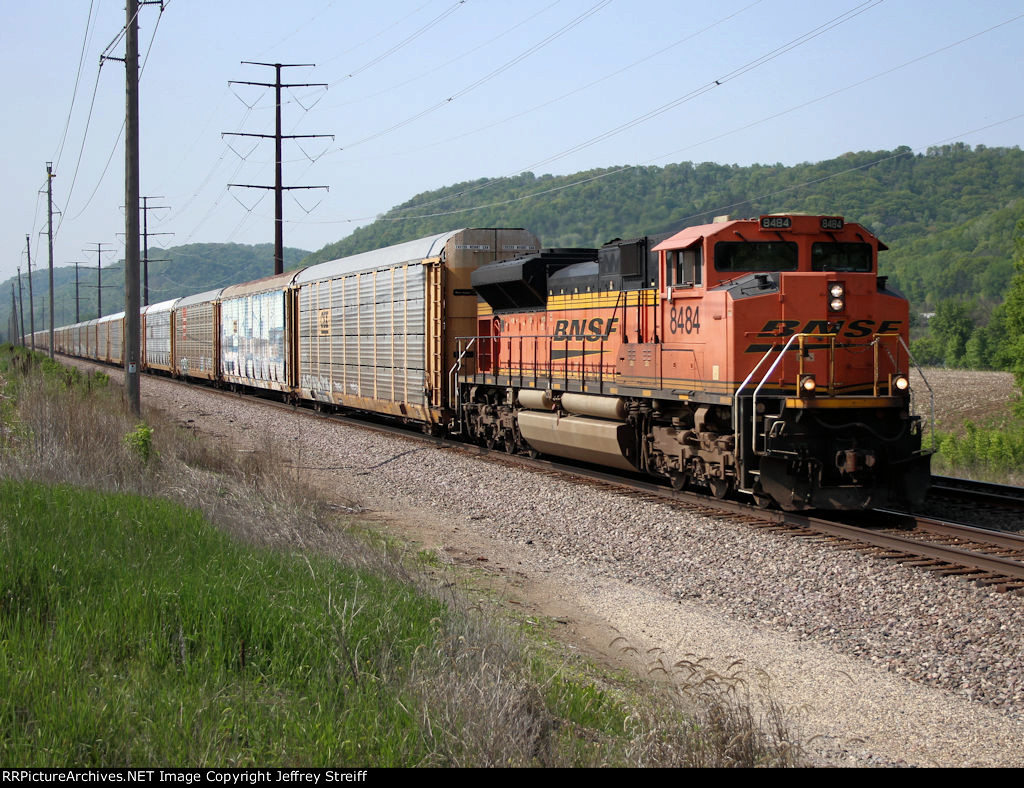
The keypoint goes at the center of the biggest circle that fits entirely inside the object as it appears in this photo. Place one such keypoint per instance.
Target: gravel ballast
(880, 664)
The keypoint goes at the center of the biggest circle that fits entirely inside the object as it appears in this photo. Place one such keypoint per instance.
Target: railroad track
(982, 492)
(987, 557)
(981, 504)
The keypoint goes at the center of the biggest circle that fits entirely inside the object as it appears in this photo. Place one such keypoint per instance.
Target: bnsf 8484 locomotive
(760, 356)
(764, 356)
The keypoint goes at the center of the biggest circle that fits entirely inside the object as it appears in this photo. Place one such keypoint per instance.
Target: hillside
(947, 215)
(173, 272)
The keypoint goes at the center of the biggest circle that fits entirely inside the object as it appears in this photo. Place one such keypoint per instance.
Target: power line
(486, 78)
(651, 114)
(117, 142)
(467, 53)
(404, 42)
(78, 76)
(573, 92)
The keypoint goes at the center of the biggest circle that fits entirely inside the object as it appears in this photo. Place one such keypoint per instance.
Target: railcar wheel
(677, 479)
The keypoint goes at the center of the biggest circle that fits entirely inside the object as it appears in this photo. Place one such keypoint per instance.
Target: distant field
(963, 395)
(978, 433)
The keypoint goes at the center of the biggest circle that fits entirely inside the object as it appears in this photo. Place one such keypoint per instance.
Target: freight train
(759, 357)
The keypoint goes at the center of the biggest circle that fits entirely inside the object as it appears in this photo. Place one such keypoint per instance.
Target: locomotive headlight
(807, 384)
(900, 383)
(837, 297)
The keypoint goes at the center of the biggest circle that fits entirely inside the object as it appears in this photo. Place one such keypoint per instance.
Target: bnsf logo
(581, 330)
(855, 330)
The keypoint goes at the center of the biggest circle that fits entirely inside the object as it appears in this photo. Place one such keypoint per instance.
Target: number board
(324, 321)
(831, 223)
(776, 223)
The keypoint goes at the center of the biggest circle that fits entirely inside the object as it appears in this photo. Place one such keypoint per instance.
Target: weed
(140, 441)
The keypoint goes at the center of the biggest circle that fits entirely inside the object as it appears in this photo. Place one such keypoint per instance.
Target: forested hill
(947, 215)
(173, 272)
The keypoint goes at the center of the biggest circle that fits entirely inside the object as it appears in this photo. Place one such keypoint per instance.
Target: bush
(140, 441)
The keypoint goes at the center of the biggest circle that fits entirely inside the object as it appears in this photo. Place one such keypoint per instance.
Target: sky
(423, 94)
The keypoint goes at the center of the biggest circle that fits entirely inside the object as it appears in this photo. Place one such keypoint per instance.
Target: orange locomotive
(764, 356)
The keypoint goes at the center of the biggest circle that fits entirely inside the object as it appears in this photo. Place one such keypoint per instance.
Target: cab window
(841, 257)
(684, 267)
(755, 256)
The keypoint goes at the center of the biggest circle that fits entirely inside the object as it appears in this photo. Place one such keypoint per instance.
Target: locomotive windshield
(755, 256)
(841, 257)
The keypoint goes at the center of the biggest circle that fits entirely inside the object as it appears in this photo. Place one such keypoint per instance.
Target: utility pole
(132, 339)
(99, 277)
(77, 318)
(278, 188)
(21, 308)
(49, 236)
(12, 324)
(146, 208)
(31, 300)
(76, 264)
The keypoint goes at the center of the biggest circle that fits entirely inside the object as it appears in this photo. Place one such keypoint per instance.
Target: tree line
(949, 216)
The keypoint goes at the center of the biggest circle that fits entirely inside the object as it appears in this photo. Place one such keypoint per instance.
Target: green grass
(990, 451)
(131, 633)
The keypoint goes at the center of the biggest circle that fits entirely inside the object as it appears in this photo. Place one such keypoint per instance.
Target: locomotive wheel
(677, 479)
(719, 487)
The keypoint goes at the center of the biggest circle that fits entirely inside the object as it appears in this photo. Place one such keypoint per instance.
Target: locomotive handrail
(519, 369)
(931, 391)
(768, 374)
(736, 410)
(875, 344)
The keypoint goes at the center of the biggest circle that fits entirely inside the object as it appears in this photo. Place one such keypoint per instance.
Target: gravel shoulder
(877, 664)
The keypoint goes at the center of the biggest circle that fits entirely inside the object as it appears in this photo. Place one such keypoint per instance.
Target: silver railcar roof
(163, 306)
(409, 251)
(199, 298)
